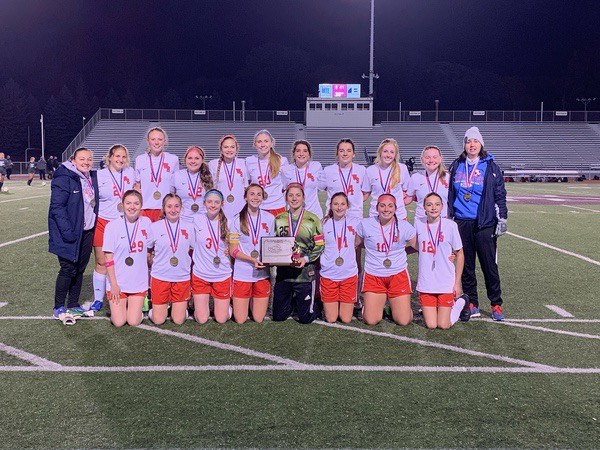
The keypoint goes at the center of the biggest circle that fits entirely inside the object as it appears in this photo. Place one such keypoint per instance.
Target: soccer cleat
(465, 313)
(497, 313)
(474, 310)
(96, 305)
(146, 306)
(63, 315)
(76, 312)
(56, 312)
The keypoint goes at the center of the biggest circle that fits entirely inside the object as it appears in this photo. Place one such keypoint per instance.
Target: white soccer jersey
(167, 236)
(205, 251)
(309, 177)
(131, 278)
(258, 172)
(112, 186)
(183, 184)
(438, 279)
(234, 175)
(377, 240)
(375, 180)
(419, 187)
(159, 182)
(348, 180)
(244, 270)
(339, 243)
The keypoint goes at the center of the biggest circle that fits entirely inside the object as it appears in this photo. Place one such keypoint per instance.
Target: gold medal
(339, 261)
(92, 203)
(157, 195)
(174, 261)
(387, 263)
(230, 198)
(129, 261)
(254, 254)
(217, 260)
(266, 196)
(195, 207)
(467, 197)
(120, 207)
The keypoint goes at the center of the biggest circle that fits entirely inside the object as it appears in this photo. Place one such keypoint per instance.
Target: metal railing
(485, 116)
(77, 141)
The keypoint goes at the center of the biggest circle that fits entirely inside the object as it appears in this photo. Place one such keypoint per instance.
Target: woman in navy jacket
(477, 202)
(71, 222)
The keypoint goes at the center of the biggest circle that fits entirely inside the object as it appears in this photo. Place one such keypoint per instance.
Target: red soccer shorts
(152, 214)
(221, 290)
(164, 292)
(247, 289)
(128, 294)
(436, 300)
(344, 291)
(393, 286)
(99, 232)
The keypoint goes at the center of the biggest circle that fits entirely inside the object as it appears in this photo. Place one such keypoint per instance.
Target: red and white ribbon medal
(194, 189)
(387, 263)
(265, 180)
(469, 180)
(216, 241)
(156, 175)
(173, 241)
(229, 175)
(298, 179)
(346, 181)
(434, 242)
(294, 229)
(254, 233)
(385, 187)
(436, 182)
(131, 239)
(119, 188)
(340, 242)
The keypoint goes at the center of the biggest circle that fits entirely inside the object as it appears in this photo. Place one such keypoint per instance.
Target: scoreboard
(339, 90)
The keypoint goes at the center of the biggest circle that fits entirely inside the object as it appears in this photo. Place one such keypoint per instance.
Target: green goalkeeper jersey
(309, 241)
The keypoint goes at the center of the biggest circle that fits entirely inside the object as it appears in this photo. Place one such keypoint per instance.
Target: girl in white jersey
(126, 250)
(229, 174)
(265, 169)
(387, 176)
(439, 280)
(191, 183)
(434, 178)
(306, 172)
(345, 176)
(153, 172)
(113, 181)
(339, 271)
(250, 275)
(211, 275)
(386, 275)
(173, 238)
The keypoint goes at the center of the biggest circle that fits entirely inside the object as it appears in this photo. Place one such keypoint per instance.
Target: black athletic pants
(480, 242)
(70, 275)
(8, 173)
(286, 295)
(42, 174)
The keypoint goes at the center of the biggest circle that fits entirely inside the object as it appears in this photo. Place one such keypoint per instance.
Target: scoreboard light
(327, 90)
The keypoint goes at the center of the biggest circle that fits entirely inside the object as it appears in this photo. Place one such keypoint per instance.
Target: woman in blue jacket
(477, 202)
(71, 222)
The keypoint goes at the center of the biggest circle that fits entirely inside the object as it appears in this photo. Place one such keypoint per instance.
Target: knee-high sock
(99, 282)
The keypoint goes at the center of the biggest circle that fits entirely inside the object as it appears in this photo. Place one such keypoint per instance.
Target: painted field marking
(4, 244)
(579, 207)
(3, 304)
(551, 330)
(451, 348)
(222, 346)
(552, 320)
(304, 368)
(559, 311)
(24, 198)
(552, 247)
(29, 357)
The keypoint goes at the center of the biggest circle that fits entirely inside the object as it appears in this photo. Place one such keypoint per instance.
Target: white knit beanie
(473, 133)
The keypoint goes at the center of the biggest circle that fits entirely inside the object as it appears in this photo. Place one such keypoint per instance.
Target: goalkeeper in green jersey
(295, 284)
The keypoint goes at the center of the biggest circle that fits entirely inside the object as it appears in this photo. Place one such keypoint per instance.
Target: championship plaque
(277, 251)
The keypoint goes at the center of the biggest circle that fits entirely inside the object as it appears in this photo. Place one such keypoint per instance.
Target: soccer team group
(167, 239)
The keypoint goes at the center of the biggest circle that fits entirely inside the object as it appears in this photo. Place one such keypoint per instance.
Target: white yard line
(561, 312)
(3, 304)
(566, 252)
(29, 357)
(4, 244)
(550, 320)
(551, 330)
(451, 348)
(24, 198)
(222, 346)
(579, 207)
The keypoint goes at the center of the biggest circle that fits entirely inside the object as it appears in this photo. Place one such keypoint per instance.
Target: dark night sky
(545, 50)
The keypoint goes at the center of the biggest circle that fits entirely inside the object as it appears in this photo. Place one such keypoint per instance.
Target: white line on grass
(24, 198)
(566, 252)
(4, 244)
(579, 207)
(29, 357)
(304, 368)
(559, 311)
(550, 330)
(451, 348)
(3, 304)
(552, 320)
(222, 346)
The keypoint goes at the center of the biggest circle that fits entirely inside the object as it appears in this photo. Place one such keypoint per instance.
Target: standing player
(126, 250)
(387, 176)
(386, 273)
(31, 168)
(153, 172)
(265, 170)
(211, 274)
(191, 183)
(171, 263)
(229, 173)
(439, 280)
(306, 172)
(435, 178)
(345, 176)
(3, 164)
(250, 275)
(339, 271)
(113, 181)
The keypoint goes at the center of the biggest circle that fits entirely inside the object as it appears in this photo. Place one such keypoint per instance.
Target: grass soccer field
(532, 381)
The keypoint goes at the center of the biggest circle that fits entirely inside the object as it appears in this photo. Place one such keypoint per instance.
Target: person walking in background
(9, 167)
(41, 166)
(50, 167)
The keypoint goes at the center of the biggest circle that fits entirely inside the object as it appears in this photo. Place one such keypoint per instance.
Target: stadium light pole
(372, 75)
(83, 122)
(585, 102)
(42, 125)
(203, 98)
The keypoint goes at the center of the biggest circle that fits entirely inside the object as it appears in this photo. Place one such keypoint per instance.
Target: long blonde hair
(395, 175)
(274, 157)
(441, 170)
(111, 152)
(159, 129)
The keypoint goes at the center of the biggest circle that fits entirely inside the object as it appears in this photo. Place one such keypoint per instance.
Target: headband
(213, 192)
(228, 136)
(379, 199)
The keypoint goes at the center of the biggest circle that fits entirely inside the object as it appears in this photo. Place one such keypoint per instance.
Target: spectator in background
(9, 166)
(41, 166)
(50, 167)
